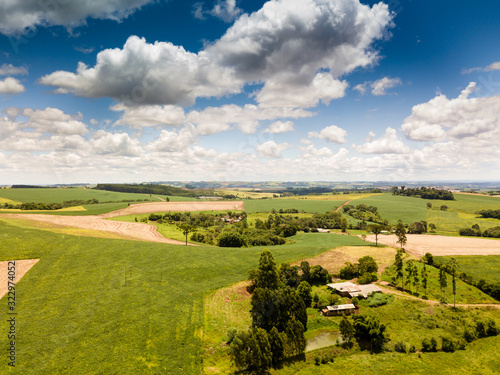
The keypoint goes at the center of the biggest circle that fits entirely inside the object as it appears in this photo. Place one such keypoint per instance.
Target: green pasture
(461, 213)
(103, 306)
(309, 206)
(451, 221)
(395, 207)
(485, 267)
(470, 203)
(58, 195)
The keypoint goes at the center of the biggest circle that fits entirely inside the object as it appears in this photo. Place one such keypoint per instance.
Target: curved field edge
(96, 305)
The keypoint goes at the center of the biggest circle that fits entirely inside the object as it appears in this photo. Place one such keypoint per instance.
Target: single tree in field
(442, 282)
(376, 230)
(398, 264)
(186, 229)
(267, 275)
(453, 267)
(400, 232)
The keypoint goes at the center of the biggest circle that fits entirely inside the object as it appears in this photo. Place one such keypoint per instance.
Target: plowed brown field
(419, 244)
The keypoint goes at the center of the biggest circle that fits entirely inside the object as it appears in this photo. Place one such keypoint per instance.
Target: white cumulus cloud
(280, 127)
(378, 87)
(17, 16)
(283, 45)
(271, 149)
(476, 119)
(11, 70)
(331, 133)
(389, 143)
(11, 85)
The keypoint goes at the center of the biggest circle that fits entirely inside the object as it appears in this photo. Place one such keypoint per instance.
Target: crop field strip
(80, 302)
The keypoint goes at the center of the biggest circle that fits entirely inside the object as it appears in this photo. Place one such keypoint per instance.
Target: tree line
(423, 192)
(475, 231)
(150, 189)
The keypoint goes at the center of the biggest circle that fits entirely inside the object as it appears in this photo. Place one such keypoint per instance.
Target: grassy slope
(479, 267)
(464, 293)
(394, 207)
(76, 312)
(58, 195)
(308, 205)
(461, 213)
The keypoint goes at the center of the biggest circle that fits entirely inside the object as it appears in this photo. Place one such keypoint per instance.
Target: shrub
(230, 239)
(379, 299)
(469, 334)
(448, 345)
(367, 278)
(154, 217)
(429, 345)
(400, 347)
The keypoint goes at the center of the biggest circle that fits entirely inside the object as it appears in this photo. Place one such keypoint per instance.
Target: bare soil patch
(22, 266)
(419, 244)
(149, 208)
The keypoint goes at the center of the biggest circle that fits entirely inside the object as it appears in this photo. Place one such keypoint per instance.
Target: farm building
(339, 310)
(351, 290)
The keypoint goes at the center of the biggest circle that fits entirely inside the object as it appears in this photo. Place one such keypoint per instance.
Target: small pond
(322, 340)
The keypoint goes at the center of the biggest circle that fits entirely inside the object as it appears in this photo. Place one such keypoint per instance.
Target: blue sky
(142, 90)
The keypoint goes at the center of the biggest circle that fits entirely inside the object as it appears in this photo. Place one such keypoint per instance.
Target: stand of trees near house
(424, 193)
(279, 320)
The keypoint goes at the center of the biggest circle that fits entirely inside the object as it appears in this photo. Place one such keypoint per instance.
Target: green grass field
(58, 195)
(462, 213)
(395, 207)
(485, 267)
(94, 306)
(306, 205)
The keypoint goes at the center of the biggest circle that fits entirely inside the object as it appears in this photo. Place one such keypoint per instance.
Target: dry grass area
(22, 266)
(334, 259)
(149, 208)
(419, 244)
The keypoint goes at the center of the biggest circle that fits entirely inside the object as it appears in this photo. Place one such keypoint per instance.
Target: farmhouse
(339, 310)
(351, 290)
